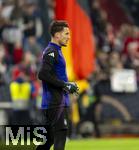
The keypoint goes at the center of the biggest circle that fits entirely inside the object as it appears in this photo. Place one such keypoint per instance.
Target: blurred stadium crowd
(23, 35)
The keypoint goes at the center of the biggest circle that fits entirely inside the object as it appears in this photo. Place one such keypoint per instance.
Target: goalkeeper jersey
(53, 75)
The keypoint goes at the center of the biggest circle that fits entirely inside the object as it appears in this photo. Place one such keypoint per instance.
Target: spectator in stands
(7, 7)
(26, 67)
(23, 90)
(115, 62)
(98, 17)
(29, 19)
(18, 53)
(17, 13)
(132, 60)
(10, 31)
(20, 90)
(102, 70)
(99, 22)
(51, 7)
(3, 66)
(132, 37)
(33, 46)
(2, 25)
(2, 56)
(110, 37)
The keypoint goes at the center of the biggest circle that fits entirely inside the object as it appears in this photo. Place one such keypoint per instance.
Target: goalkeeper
(55, 99)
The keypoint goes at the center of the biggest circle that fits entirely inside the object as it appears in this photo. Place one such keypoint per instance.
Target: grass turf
(104, 144)
(89, 144)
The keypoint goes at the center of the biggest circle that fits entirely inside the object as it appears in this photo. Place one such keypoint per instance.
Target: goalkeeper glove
(71, 87)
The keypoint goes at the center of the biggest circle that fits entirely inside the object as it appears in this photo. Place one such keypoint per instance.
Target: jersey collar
(55, 45)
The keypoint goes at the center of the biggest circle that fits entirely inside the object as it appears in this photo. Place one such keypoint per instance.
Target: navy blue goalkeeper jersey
(53, 75)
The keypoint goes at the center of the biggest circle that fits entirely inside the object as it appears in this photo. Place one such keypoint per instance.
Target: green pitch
(89, 144)
(104, 144)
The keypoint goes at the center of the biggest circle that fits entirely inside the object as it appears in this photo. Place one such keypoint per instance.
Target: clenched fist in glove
(71, 87)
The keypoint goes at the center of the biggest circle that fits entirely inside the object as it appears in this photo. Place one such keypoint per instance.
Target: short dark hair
(57, 26)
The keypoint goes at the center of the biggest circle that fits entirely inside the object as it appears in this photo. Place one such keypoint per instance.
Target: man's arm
(47, 70)
(47, 73)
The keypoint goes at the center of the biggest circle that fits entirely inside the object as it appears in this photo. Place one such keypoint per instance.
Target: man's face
(64, 36)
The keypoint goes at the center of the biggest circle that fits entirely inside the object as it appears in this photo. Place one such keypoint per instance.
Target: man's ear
(57, 34)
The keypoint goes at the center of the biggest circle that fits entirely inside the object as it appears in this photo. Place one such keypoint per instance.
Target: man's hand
(71, 87)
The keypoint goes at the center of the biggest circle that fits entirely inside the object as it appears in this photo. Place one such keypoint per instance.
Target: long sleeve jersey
(53, 75)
